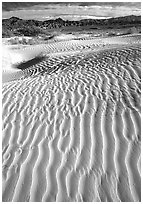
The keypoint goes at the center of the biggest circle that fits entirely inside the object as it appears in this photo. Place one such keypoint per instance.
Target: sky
(69, 10)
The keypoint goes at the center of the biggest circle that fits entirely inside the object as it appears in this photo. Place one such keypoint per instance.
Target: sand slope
(72, 123)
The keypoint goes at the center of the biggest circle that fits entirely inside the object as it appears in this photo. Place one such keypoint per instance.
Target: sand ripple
(72, 124)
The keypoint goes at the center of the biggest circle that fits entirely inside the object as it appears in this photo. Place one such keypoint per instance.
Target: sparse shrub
(111, 34)
(131, 31)
(14, 41)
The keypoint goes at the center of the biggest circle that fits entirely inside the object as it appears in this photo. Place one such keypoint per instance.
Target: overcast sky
(69, 10)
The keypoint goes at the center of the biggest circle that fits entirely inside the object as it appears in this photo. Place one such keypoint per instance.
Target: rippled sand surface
(72, 122)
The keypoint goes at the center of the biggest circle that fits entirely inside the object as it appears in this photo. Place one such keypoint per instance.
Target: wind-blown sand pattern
(72, 122)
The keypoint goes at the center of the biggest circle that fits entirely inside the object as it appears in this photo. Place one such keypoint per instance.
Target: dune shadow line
(29, 63)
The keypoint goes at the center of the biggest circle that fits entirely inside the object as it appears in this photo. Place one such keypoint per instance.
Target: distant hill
(16, 26)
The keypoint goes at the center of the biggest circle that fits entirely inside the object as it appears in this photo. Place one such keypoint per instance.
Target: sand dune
(72, 122)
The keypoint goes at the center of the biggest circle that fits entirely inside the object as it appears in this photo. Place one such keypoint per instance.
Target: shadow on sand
(29, 63)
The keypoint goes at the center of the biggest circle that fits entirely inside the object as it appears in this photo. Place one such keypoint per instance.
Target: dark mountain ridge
(16, 26)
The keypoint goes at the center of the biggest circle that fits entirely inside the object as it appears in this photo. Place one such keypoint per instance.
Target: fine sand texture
(72, 121)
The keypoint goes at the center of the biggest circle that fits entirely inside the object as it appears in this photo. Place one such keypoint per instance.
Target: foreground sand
(72, 123)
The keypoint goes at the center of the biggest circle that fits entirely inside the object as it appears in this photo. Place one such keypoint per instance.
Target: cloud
(38, 10)
(7, 6)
